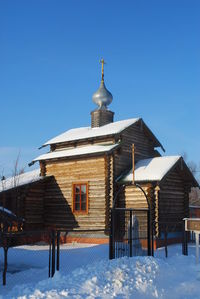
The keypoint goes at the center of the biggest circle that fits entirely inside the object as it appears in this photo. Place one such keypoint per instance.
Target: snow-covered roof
(194, 207)
(19, 180)
(2, 209)
(88, 132)
(77, 151)
(10, 215)
(153, 169)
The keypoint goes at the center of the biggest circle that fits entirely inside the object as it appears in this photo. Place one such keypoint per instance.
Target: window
(80, 198)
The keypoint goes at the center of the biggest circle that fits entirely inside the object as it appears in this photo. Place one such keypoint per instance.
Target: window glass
(83, 197)
(77, 189)
(80, 198)
(83, 206)
(77, 198)
(77, 206)
(83, 189)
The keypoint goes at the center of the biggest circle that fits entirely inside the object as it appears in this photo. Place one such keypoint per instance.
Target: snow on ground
(86, 272)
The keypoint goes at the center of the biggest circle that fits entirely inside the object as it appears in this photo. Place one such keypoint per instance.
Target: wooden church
(78, 178)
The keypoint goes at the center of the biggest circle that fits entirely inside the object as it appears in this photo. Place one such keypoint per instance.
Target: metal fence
(171, 233)
(79, 246)
(20, 242)
(131, 233)
(54, 248)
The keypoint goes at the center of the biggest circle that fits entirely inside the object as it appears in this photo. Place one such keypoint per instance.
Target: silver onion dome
(102, 97)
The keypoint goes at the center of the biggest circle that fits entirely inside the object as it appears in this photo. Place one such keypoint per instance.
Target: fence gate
(130, 233)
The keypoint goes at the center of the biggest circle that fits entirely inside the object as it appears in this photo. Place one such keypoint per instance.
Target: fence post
(184, 243)
(111, 255)
(113, 232)
(152, 237)
(50, 257)
(166, 251)
(183, 238)
(58, 251)
(53, 253)
(5, 264)
(130, 236)
(149, 231)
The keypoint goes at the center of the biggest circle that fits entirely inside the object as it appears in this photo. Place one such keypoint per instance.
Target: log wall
(26, 202)
(144, 148)
(34, 206)
(171, 202)
(135, 199)
(72, 144)
(58, 196)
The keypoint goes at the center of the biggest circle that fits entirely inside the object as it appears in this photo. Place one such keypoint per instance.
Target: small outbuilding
(167, 182)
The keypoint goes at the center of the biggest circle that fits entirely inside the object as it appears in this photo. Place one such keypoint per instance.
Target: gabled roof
(20, 180)
(111, 129)
(153, 169)
(88, 132)
(77, 151)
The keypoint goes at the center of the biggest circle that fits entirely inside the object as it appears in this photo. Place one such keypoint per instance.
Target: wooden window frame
(73, 197)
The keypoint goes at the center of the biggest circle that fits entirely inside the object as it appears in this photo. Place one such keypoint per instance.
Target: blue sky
(49, 69)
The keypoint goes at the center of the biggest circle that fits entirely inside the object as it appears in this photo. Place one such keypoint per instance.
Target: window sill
(80, 213)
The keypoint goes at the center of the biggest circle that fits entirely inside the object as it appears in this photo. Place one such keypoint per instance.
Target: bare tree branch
(193, 166)
(17, 171)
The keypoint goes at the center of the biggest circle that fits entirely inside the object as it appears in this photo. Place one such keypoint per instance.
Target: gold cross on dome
(102, 61)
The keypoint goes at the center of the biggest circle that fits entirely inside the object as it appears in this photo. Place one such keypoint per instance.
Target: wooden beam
(133, 162)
